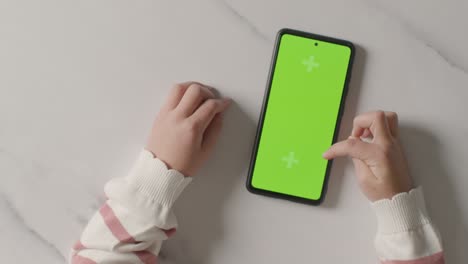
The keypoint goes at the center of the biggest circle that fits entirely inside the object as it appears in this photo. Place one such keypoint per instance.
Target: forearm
(405, 233)
(137, 217)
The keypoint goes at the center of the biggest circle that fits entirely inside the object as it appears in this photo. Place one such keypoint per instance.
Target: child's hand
(380, 165)
(187, 127)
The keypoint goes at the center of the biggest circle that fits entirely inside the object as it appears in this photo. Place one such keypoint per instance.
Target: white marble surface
(80, 82)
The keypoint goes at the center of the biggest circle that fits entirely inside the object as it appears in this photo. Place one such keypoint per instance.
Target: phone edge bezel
(260, 123)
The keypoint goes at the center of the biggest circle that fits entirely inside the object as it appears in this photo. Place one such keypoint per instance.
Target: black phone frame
(253, 158)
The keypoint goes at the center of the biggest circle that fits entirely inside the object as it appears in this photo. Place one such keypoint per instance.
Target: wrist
(168, 164)
(403, 212)
(151, 177)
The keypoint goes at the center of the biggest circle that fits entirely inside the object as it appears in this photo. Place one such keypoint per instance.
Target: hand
(187, 127)
(380, 164)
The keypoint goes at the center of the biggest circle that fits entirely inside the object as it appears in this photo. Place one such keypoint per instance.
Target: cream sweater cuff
(403, 213)
(151, 177)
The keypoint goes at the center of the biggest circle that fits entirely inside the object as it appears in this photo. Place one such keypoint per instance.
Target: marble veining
(244, 20)
(80, 83)
(412, 32)
(18, 219)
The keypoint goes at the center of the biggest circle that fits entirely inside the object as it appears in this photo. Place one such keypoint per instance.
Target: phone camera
(316, 44)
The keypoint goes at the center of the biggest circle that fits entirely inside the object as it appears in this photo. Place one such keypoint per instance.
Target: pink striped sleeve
(77, 259)
(437, 258)
(137, 217)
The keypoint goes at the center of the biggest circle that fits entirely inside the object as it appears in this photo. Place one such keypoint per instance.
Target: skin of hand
(380, 164)
(187, 127)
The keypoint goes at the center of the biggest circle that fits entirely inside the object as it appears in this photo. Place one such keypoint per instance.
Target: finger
(376, 122)
(176, 94)
(392, 120)
(207, 111)
(366, 133)
(212, 132)
(361, 132)
(352, 147)
(195, 95)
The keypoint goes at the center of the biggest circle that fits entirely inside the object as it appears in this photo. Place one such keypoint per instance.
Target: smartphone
(300, 116)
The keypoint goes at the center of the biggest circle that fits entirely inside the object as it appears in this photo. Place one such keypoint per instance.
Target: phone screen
(302, 110)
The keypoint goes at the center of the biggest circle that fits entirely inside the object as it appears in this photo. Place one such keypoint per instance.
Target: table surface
(82, 80)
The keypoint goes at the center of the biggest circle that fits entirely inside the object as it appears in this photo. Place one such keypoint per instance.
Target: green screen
(301, 115)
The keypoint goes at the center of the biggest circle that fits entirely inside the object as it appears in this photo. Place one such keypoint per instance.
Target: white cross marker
(290, 160)
(310, 63)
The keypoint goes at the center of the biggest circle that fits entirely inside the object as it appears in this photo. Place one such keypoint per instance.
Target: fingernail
(325, 155)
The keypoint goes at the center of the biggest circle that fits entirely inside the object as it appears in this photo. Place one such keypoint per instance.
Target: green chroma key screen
(302, 111)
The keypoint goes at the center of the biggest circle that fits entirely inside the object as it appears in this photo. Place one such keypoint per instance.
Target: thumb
(352, 147)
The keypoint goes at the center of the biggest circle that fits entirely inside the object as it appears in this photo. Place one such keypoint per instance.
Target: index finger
(176, 94)
(376, 122)
(195, 95)
(207, 111)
